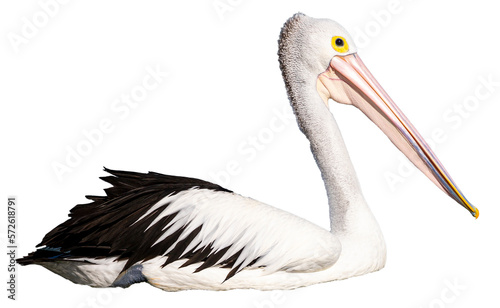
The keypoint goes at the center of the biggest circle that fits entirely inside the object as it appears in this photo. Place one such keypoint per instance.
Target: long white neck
(345, 199)
(351, 221)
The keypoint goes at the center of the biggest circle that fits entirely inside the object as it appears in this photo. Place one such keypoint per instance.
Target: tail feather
(46, 254)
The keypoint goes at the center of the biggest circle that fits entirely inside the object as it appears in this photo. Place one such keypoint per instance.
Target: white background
(224, 87)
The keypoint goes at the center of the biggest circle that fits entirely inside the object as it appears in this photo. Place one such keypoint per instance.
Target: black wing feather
(101, 228)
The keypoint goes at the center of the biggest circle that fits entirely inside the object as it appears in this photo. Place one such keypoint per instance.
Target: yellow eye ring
(340, 44)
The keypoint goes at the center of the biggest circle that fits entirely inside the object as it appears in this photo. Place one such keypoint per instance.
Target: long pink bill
(349, 75)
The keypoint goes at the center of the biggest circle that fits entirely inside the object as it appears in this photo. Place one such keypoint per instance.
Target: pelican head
(322, 48)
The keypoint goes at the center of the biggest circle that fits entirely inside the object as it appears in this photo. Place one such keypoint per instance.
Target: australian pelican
(179, 233)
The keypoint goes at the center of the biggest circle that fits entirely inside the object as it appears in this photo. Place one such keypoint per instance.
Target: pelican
(178, 233)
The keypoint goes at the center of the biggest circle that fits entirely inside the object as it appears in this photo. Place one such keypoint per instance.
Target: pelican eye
(339, 44)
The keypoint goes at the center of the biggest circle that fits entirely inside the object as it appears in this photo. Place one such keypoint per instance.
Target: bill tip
(475, 213)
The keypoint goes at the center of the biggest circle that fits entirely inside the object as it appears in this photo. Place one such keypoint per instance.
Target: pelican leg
(131, 276)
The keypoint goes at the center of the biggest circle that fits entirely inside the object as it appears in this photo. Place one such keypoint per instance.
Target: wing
(144, 216)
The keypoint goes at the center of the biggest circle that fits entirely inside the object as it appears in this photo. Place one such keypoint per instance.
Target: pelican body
(179, 233)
